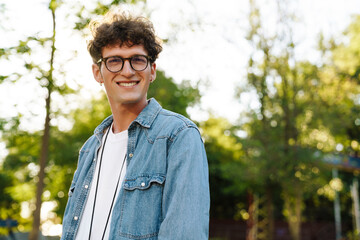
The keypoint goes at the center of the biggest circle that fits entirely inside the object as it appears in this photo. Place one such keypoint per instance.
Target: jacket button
(76, 218)
(86, 186)
(131, 155)
(143, 184)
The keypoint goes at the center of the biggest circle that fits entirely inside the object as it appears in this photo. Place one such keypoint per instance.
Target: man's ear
(97, 73)
(153, 72)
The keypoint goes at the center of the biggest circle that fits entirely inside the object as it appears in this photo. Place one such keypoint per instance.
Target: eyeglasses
(116, 63)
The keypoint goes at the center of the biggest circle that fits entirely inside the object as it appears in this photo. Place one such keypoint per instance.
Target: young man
(144, 173)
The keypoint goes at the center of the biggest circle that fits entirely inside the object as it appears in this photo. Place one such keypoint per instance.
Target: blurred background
(273, 85)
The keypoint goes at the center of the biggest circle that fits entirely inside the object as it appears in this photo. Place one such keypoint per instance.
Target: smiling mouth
(127, 84)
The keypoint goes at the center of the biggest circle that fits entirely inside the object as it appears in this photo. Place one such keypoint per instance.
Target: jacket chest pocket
(141, 210)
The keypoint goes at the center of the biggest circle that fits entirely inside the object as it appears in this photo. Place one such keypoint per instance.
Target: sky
(206, 45)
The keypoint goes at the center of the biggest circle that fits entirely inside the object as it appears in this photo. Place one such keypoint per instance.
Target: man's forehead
(123, 48)
(127, 44)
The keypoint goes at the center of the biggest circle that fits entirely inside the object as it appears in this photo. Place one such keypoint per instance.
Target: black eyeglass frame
(123, 62)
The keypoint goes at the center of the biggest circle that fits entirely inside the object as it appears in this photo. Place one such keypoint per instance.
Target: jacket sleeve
(186, 197)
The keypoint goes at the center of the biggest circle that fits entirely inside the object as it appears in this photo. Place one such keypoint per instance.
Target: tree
(21, 166)
(280, 151)
(340, 71)
(342, 67)
(176, 97)
(49, 86)
(47, 81)
(224, 153)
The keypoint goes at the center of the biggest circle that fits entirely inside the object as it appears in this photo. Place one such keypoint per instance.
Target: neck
(124, 115)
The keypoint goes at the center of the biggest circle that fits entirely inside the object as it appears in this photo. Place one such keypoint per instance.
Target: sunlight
(207, 43)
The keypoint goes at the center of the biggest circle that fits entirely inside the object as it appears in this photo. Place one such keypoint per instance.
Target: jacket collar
(145, 118)
(148, 114)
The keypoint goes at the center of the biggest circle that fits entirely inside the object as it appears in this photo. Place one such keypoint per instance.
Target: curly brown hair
(123, 28)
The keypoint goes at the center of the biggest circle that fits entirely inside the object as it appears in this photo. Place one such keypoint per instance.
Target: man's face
(126, 87)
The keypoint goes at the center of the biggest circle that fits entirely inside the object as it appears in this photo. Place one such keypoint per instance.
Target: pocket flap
(142, 182)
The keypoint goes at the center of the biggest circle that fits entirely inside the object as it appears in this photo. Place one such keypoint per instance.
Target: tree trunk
(270, 212)
(34, 235)
(251, 223)
(293, 207)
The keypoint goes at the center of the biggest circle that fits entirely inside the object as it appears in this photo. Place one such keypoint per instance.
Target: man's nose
(127, 69)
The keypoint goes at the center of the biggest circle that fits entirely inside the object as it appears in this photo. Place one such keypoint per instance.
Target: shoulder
(171, 124)
(175, 118)
(89, 144)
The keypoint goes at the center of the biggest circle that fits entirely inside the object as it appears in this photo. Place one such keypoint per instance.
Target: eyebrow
(136, 54)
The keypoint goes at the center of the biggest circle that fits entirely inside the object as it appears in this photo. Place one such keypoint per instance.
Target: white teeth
(127, 84)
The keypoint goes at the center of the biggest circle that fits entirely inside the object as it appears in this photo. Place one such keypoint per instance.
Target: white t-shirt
(112, 162)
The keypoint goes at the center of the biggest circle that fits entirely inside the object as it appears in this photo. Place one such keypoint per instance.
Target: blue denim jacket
(165, 193)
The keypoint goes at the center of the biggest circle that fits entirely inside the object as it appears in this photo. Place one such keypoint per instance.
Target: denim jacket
(165, 193)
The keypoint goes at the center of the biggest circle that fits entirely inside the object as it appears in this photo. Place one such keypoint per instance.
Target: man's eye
(114, 60)
(138, 59)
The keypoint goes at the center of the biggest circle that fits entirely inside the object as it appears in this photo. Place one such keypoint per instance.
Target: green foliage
(8, 204)
(23, 151)
(172, 96)
(224, 153)
(6, 199)
(346, 55)
(24, 148)
(303, 112)
(54, 4)
(3, 52)
(344, 69)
